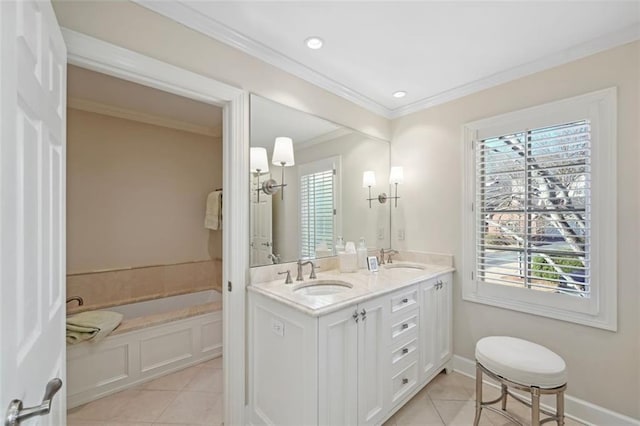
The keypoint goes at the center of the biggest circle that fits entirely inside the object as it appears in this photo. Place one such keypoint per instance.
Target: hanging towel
(91, 325)
(213, 215)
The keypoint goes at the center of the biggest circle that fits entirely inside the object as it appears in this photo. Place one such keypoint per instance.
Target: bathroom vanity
(346, 349)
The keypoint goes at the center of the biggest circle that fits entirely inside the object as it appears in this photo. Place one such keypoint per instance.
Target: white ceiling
(107, 90)
(270, 120)
(436, 51)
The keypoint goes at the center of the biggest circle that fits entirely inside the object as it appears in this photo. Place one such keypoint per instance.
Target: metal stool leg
(504, 397)
(535, 406)
(476, 420)
(560, 407)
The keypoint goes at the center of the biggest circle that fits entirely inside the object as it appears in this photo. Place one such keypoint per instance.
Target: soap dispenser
(362, 254)
(339, 245)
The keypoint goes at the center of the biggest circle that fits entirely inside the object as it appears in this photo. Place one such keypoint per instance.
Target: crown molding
(128, 114)
(325, 137)
(185, 15)
(609, 41)
(180, 12)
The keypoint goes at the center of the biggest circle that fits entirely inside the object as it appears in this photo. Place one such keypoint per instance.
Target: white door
(32, 199)
(261, 224)
(373, 360)
(338, 364)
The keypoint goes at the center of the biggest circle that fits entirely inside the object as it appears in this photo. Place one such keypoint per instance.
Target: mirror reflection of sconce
(282, 156)
(396, 176)
(369, 180)
(258, 164)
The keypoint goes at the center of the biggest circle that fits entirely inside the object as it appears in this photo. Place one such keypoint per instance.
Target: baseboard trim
(575, 408)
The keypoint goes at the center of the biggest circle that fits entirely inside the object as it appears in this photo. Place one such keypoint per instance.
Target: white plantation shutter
(532, 209)
(317, 207)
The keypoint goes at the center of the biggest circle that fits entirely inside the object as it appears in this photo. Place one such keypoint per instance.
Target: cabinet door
(444, 319)
(338, 368)
(373, 360)
(429, 325)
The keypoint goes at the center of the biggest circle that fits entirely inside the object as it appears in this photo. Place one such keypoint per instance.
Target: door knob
(17, 414)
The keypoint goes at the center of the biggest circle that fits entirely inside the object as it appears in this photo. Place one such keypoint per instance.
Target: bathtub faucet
(78, 299)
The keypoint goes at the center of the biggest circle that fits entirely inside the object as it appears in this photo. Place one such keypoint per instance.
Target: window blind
(317, 211)
(533, 209)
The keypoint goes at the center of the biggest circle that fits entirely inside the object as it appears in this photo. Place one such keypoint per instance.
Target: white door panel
(32, 196)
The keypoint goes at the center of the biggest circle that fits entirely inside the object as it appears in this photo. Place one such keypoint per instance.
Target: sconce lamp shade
(283, 152)
(258, 160)
(368, 179)
(396, 175)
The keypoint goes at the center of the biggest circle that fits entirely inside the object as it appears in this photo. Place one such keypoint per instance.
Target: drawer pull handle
(355, 316)
(364, 314)
(405, 350)
(405, 326)
(405, 300)
(405, 381)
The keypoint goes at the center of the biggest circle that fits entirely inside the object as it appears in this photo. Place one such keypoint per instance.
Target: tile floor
(193, 396)
(450, 400)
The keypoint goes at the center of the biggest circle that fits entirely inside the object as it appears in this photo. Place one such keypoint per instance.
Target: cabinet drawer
(404, 381)
(403, 351)
(404, 300)
(404, 325)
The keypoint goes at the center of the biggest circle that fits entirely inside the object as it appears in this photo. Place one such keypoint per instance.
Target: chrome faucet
(312, 275)
(78, 299)
(287, 280)
(389, 252)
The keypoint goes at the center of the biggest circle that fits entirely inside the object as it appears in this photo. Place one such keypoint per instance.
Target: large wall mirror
(309, 186)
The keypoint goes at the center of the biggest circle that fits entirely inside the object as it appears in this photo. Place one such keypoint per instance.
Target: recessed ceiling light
(399, 94)
(314, 43)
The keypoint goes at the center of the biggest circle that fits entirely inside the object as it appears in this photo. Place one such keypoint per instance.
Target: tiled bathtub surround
(118, 287)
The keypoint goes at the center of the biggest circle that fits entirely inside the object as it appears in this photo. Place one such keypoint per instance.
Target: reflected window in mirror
(319, 195)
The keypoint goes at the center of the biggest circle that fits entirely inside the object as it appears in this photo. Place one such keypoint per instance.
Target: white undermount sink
(412, 266)
(322, 287)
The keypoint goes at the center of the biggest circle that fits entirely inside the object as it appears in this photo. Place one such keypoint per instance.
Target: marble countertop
(365, 286)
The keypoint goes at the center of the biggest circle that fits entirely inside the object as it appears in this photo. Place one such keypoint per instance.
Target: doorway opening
(144, 240)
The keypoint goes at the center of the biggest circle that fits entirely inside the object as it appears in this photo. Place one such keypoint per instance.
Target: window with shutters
(318, 205)
(540, 222)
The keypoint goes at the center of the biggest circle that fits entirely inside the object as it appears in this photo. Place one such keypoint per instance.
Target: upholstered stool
(519, 364)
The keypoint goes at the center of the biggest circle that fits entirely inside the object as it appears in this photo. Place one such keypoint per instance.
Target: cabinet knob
(405, 350)
(405, 381)
(364, 314)
(355, 315)
(405, 300)
(405, 326)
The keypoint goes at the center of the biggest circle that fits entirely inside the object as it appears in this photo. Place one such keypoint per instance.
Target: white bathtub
(155, 338)
(166, 304)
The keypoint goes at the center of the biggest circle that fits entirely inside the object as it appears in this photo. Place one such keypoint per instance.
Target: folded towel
(91, 325)
(213, 215)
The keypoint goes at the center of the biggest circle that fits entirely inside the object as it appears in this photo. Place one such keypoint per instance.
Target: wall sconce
(283, 157)
(369, 180)
(396, 176)
(258, 164)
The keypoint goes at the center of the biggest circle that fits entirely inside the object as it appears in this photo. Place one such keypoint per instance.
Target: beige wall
(604, 367)
(126, 24)
(136, 193)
